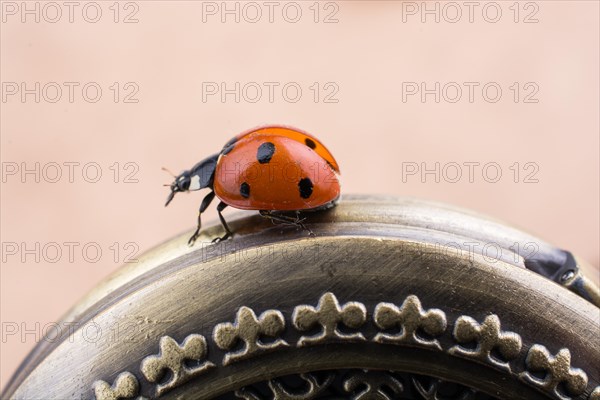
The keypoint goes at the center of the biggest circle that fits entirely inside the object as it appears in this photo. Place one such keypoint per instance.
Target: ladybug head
(199, 177)
(180, 184)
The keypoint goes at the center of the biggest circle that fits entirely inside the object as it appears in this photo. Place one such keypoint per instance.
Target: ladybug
(273, 169)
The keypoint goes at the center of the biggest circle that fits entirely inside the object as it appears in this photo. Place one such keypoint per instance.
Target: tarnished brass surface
(393, 298)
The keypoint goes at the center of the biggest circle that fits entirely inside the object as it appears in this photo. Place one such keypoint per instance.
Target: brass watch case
(386, 300)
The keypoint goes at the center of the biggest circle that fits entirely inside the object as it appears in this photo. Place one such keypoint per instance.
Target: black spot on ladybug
(310, 143)
(265, 152)
(306, 187)
(245, 190)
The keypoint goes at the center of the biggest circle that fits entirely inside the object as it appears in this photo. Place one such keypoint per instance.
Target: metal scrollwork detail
(173, 357)
(489, 337)
(410, 318)
(125, 386)
(432, 392)
(557, 371)
(249, 329)
(354, 384)
(279, 392)
(373, 385)
(408, 324)
(329, 314)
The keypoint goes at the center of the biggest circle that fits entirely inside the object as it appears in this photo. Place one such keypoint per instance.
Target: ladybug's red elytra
(272, 169)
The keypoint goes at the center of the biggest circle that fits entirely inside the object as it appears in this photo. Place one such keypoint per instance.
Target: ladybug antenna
(173, 191)
(170, 197)
(172, 174)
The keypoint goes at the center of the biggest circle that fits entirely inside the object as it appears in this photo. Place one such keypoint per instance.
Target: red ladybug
(273, 169)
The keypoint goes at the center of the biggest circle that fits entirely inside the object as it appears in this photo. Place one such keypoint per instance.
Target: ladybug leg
(220, 208)
(284, 219)
(205, 203)
(298, 219)
(300, 222)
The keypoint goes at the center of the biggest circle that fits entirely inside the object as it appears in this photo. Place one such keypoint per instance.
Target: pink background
(366, 55)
